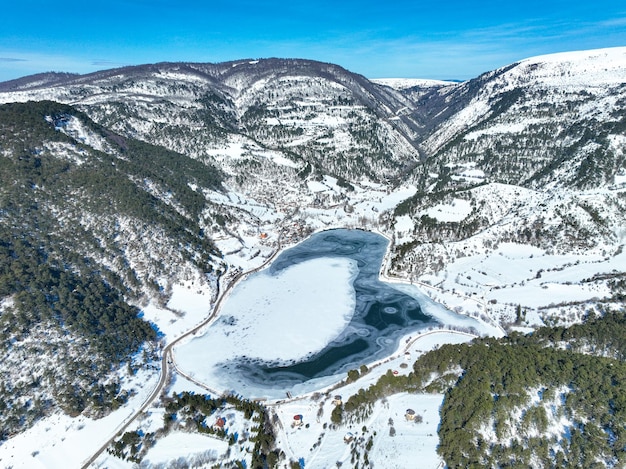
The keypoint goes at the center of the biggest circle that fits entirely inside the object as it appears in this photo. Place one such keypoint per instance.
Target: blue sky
(412, 39)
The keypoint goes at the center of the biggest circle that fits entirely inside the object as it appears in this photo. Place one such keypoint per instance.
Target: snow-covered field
(60, 441)
(514, 274)
(480, 283)
(321, 447)
(178, 444)
(457, 210)
(190, 303)
(286, 318)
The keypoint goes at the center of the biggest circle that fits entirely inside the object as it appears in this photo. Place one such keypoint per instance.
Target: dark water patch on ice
(382, 314)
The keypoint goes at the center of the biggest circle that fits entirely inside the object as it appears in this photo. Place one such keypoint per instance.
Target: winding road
(167, 362)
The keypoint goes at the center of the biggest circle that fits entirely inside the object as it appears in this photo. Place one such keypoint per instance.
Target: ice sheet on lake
(319, 310)
(280, 318)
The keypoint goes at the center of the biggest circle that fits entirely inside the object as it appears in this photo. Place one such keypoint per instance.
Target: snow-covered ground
(404, 83)
(190, 303)
(61, 441)
(496, 282)
(455, 211)
(186, 445)
(321, 447)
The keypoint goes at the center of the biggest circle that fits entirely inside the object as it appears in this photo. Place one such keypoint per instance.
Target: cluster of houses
(298, 419)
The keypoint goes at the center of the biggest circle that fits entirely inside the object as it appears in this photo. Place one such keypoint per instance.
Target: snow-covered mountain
(551, 120)
(320, 116)
(534, 111)
(544, 138)
(157, 180)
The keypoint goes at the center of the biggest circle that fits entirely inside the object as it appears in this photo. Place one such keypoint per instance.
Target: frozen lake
(381, 313)
(318, 311)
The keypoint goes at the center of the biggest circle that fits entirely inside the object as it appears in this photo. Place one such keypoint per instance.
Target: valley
(503, 200)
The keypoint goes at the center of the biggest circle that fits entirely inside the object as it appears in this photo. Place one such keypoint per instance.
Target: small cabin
(410, 414)
(263, 235)
(220, 422)
(337, 400)
(348, 437)
(297, 420)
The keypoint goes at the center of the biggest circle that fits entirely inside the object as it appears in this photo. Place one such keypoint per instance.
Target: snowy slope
(543, 120)
(505, 193)
(404, 83)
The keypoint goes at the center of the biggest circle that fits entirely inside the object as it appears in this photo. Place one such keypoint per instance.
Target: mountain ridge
(128, 186)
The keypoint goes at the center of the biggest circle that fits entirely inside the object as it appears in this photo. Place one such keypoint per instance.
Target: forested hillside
(69, 288)
(131, 198)
(554, 398)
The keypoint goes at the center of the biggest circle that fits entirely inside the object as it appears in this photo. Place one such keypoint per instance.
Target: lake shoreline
(383, 309)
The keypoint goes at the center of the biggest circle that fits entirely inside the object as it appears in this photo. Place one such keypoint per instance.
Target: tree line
(503, 397)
